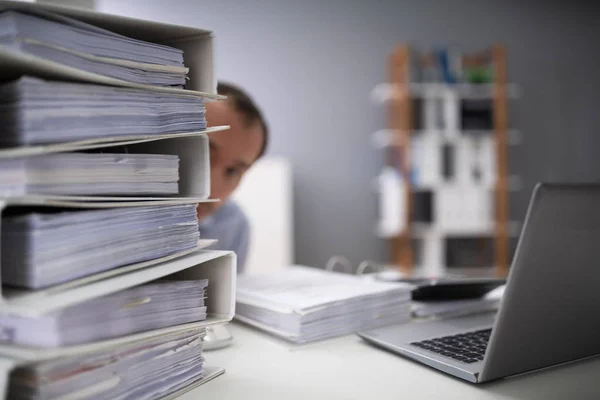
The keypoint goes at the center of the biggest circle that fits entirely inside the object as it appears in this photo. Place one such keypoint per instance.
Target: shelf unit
(446, 194)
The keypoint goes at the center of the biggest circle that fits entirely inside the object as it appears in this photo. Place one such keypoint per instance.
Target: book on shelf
(465, 160)
(487, 160)
(426, 155)
(464, 208)
(391, 192)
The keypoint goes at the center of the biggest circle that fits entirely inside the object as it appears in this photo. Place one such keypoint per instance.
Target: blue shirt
(229, 225)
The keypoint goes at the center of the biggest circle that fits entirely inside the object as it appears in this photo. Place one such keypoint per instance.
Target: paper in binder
(35, 111)
(146, 369)
(303, 304)
(44, 248)
(76, 44)
(90, 174)
(143, 308)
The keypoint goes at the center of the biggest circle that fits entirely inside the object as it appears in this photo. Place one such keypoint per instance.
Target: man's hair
(244, 104)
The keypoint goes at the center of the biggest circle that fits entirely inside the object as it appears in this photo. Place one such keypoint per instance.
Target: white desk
(262, 367)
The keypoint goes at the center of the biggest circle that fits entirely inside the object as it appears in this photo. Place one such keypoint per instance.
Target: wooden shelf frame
(400, 114)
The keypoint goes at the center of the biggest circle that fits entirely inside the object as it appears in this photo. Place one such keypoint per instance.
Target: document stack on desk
(105, 293)
(303, 304)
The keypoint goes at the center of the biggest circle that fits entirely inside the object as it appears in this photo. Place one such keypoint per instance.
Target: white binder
(192, 150)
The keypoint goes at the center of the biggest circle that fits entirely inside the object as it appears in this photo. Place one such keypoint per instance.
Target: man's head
(233, 151)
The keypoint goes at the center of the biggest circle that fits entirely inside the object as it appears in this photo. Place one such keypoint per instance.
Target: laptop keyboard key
(468, 348)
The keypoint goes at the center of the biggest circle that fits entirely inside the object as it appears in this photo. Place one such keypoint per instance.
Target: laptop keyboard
(466, 347)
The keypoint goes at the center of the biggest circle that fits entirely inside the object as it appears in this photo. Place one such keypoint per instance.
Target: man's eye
(232, 172)
(212, 156)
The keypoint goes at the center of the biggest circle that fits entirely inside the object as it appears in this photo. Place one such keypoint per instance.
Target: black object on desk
(439, 290)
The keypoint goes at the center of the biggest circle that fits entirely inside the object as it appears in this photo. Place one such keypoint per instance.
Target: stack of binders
(106, 288)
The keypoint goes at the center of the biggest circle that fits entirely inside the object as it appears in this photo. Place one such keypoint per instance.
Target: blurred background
(316, 68)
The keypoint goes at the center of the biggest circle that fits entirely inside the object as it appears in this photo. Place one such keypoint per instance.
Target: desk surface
(262, 367)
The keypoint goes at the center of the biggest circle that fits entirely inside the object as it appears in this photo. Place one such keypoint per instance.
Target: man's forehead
(218, 109)
(243, 141)
(224, 113)
(237, 144)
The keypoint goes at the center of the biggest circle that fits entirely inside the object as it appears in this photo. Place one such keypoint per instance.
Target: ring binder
(368, 264)
(339, 260)
(303, 304)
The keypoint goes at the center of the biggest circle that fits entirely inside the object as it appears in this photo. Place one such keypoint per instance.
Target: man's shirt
(230, 227)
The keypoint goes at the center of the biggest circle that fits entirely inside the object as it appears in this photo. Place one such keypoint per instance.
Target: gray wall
(312, 63)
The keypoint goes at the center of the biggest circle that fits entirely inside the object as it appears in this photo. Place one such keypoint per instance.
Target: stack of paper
(38, 111)
(305, 304)
(43, 249)
(76, 44)
(143, 308)
(90, 174)
(148, 369)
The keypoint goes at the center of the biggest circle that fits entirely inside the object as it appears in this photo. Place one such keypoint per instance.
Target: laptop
(551, 305)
